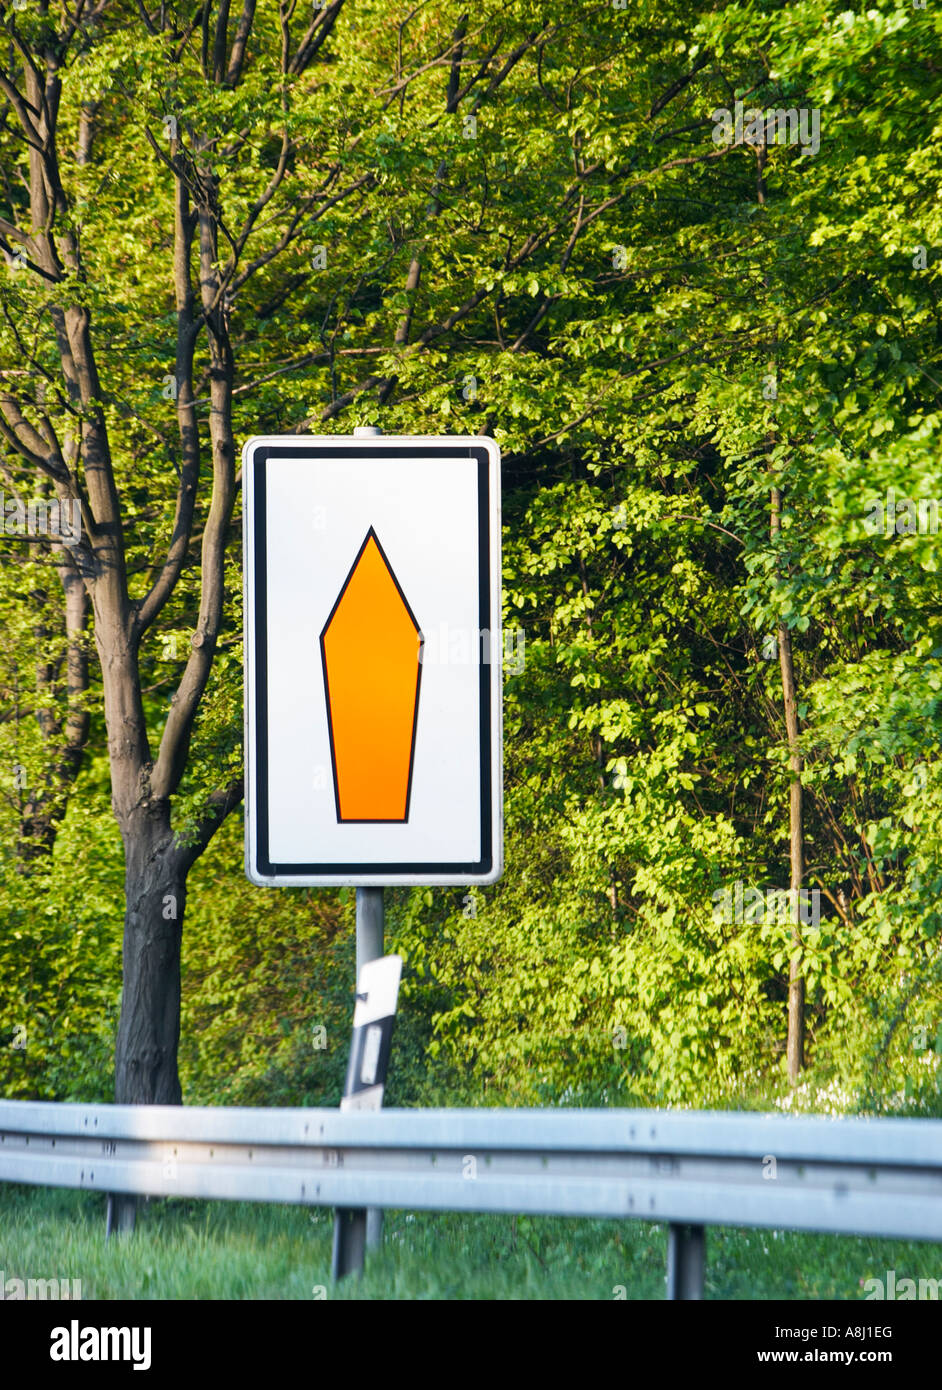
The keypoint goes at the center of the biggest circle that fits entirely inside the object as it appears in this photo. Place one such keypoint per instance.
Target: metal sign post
(686, 1261)
(370, 923)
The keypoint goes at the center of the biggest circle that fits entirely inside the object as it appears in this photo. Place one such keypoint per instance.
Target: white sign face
(372, 660)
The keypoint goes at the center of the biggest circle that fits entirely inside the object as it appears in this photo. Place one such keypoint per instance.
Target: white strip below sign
(377, 996)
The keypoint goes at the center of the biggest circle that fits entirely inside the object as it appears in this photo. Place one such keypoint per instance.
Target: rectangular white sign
(372, 660)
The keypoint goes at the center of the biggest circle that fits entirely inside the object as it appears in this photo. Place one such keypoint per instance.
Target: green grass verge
(222, 1250)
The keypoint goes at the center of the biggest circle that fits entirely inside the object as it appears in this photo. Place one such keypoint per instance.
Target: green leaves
(654, 348)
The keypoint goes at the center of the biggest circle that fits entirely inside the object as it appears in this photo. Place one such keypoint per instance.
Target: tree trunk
(149, 1030)
(796, 984)
(795, 1047)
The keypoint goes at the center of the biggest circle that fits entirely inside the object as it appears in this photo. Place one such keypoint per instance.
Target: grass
(229, 1250)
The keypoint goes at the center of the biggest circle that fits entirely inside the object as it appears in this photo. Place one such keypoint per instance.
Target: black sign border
(261, 453)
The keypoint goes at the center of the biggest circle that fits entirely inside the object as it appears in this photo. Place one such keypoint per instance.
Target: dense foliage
(541, 237)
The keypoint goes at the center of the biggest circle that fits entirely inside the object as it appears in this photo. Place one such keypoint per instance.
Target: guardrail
(688, 1169)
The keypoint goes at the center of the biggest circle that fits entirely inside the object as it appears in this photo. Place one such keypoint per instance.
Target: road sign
(372, 660)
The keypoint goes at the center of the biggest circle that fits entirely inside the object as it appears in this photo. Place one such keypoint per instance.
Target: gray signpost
(370, 923)
(371, 920)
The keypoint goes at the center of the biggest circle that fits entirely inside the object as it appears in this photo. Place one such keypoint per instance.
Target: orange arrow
(371, 649)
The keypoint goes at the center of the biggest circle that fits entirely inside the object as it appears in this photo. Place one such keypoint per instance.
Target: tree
(248, 146)
(677, 452)
(61, 312)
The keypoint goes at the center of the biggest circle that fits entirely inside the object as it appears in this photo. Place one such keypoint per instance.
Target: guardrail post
(120, 1214)
(686, 1261)
(349, 1249)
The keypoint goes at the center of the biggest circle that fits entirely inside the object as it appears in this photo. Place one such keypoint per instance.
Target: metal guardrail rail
(689, 1169)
